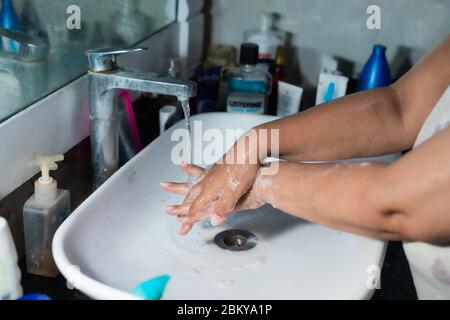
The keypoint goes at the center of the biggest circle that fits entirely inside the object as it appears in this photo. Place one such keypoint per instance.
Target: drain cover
(236, 240)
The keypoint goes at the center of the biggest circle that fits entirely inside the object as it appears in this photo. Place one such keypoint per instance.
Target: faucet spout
(105, 78)
(136, 80)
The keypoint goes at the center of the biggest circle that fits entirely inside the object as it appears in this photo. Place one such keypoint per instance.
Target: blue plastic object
(152, 289)
(376, 72)
(329, 95)
(35, 296)
(9, 20)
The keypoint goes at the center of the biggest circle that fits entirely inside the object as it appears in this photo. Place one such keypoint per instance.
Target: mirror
(43, 41)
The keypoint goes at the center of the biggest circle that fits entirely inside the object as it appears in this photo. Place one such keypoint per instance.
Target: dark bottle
(278, 72)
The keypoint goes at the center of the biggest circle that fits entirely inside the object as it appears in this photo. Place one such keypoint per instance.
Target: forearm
(371, 123)
(361, 125)
(339, 196)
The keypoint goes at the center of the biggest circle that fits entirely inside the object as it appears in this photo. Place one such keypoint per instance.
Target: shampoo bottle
(10, 288)
(267, 38)
(43, 213)
(376, 72)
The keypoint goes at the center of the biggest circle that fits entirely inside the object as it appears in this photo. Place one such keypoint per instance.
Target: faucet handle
(106, 59)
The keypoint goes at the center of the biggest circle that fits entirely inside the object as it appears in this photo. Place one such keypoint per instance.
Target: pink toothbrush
(125, 95)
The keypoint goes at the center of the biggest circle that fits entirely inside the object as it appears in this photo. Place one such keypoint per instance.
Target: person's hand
(218, 192)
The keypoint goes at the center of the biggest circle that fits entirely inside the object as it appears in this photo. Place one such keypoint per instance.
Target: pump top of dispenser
(46, 188)
(267, 21)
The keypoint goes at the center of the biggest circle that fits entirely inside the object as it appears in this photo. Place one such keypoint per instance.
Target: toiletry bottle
(331, 86)
(10, 288)
(248, 86)
(43, 213)
(9, 20)
(225, 57)
(278, 73)
(289, 99)
(208, 84)
(376, 72)
(267, 38)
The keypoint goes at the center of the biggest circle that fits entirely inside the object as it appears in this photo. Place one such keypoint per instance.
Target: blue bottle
(9, 20)
(376, 72)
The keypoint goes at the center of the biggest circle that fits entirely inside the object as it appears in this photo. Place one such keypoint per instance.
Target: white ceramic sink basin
(121, 237)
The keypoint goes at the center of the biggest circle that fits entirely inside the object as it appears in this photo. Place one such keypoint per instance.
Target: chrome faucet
(105, 78)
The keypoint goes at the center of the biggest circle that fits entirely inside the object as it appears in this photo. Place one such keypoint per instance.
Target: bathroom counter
(396, 281)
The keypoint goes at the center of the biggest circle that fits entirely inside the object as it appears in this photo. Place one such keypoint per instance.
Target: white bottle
(267, 38)
(43, 213)
(10, 288)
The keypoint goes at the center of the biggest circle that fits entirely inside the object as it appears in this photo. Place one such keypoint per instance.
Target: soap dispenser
(267, 38)
(43, 213)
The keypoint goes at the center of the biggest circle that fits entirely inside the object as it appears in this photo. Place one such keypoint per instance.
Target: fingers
(185, 229)
(192, 170)
(177, 188)
(201, 209)
(181, 210)
(184, 188)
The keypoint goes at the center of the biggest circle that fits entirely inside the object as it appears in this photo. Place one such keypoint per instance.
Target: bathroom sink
(120, 237)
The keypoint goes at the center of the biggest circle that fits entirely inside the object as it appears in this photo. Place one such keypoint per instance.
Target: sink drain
(236, 240)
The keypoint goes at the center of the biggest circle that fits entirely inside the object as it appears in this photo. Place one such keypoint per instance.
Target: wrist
(263, 185)
(247, 150)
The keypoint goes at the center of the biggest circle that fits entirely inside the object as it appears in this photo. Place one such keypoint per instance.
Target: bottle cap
(46, 188)
(379, 49)
(249, 54)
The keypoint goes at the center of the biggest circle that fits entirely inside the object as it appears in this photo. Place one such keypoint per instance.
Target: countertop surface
(396, 280)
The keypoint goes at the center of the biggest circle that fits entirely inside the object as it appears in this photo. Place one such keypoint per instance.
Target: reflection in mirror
(43, 41)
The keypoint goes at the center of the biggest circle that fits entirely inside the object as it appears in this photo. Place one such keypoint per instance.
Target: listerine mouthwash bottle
(248, 86)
